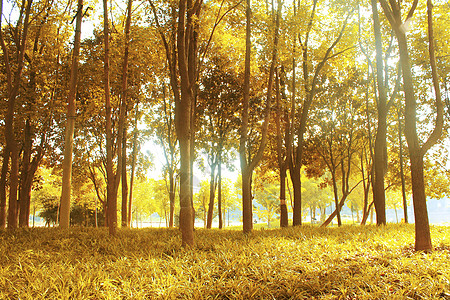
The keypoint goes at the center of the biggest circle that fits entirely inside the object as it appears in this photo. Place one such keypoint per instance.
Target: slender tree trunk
(284, 222)
(247, 166)
(64, 216)
(124, 107)
(335, 212)
(297, 205)
(379, 196)
(171, 197)
(367, 214)
(282, 157)
(133, 163)
(336, 197)
(3, 176)
(212, 193)
(124, 179)
(416, 151)
(246, 187)
(247, 207)
(402, 171)
(111, 194)
(13, 188)
(219, 192)
(25, 180)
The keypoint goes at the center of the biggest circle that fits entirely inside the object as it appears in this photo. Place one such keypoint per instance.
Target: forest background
(313, 98)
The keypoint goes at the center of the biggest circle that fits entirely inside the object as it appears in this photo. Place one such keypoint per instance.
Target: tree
(417, 150)
(219, 101)
(310, 86)
(266, 194)
(166, 137)
(64, 221)
(249, 163)
(124, 101)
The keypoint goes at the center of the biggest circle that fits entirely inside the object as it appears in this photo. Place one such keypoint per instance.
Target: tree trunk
(417, 152)
(402, 172)
(133, 163)
(336, 198)
(111, 194)
(183, 118)
(26, 178)
(219, 193)
(64, 216)
(124, 179)
(124, 107)
(297, 186)
(282, 157)
(247, 166)
(13, 187)
(335, 212)
(246, 182)
(380, 162)
(247, 206)
(284, 222)
(212, 193)
(3, 176)
(171, 197)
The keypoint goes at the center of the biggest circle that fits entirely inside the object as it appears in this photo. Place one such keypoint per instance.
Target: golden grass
(351, 262)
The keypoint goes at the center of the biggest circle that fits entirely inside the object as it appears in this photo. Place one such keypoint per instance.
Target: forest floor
(351, 262)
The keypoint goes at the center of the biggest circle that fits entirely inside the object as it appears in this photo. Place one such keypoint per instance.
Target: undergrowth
(351, 262)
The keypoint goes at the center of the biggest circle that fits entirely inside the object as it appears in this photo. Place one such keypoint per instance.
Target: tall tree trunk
(171, 197)
(212, 194)
(186, 45)
(380, 159)
(124, 179)
(111, 194)
(3, 176)
(133, 163)
(13, 80)
(246, 188)
(64, 216)
(284, 222)
(26, 178)
(402, 171)
(416, 151)
(219, 191)
(297, 203)
(124, 108)
(368, 160)
(282, 157)
(13, 188)
(247, 166)
(336, 198)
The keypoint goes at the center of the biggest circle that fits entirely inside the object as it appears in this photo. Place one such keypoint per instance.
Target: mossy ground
(350, 262)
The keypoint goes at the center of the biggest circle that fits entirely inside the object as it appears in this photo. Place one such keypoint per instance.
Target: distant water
(438, 212)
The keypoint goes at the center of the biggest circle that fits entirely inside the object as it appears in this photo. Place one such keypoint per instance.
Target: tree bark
(64, 216)
(13, 188)
(402, 172)
(212, 194)
(133, 163)
(282, 157)
(13, 84)
(380, 162)
(183, 111)
(4, 173)
(111, 193)
(247, 166)
(26, 178)
(219, 193)
(416, 151)
(124, 108)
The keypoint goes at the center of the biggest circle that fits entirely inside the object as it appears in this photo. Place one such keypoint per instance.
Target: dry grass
(295, 263)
